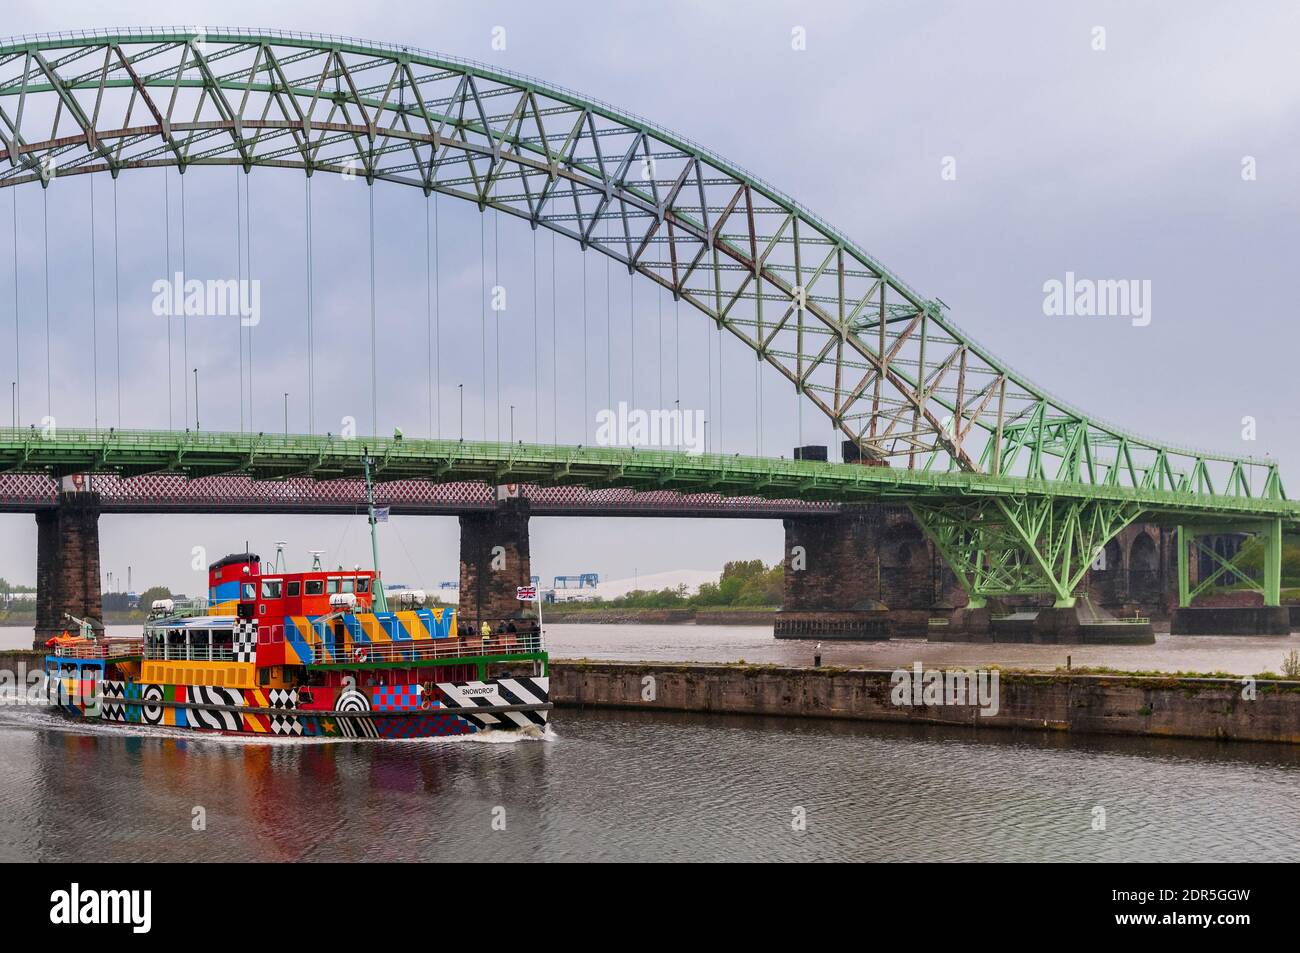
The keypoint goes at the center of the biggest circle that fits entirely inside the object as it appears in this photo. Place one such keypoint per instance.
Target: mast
(377, 597)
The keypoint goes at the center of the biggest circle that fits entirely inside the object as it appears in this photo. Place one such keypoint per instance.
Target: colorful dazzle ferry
(305, 655)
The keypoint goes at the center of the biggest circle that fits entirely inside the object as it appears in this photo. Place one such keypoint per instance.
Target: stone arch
(1144, 568)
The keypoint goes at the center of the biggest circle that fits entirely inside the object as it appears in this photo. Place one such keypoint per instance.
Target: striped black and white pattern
(209, 695)
(359, 727)
(352, 700)
(505, 691)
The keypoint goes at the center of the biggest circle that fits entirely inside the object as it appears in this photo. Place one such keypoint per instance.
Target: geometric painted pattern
(245, 640)
(136, 702)
(395, 698)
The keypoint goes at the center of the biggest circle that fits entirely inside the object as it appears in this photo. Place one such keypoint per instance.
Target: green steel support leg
(1273, 564)
(1184, 570)
(1021, 546)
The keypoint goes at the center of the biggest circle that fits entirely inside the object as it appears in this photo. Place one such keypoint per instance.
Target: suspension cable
(18, 372)
(482, 306)
(609, 330)
(428, 314)
(239, 283)
(659, 306)
(677, 346)
(311, 341)
(721, 391)
(185, 324)
(537, 381)
(708, 344)
(631, 327)
(49, 379)
(167, 245)
(248, 252)
(437, 307)
(94, 315)
(555, 353)
(117, 306)
(585, 399)
(374, 366)
(496, 322)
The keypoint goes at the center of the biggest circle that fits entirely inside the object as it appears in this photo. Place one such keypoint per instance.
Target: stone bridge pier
(865, 573)
(67, 564)
(494, 560)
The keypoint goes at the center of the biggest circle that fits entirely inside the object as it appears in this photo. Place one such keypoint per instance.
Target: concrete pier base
(1049, 626)
(1231, 620)
(857, 625)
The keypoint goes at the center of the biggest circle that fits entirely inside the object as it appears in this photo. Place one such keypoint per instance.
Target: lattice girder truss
(1006, 546)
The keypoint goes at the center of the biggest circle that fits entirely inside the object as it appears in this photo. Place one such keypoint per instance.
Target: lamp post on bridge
(196, 398)
(461, 389)
(286, 413)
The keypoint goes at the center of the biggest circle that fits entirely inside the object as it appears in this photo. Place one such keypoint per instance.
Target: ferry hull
(396, 712)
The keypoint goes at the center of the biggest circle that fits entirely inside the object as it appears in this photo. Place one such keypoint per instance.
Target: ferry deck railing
(102, 649)
(397, 652)
(330, 652)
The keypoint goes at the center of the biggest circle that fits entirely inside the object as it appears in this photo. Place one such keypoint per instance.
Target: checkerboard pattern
(423, 726)
(246, 640)
(395, 698)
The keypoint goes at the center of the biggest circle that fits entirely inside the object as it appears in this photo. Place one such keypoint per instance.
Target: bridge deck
(288, 460)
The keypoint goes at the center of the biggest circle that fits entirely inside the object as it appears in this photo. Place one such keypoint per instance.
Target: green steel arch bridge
(1018, 489)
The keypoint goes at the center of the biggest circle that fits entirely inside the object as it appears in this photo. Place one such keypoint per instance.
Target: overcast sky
(1117, 163)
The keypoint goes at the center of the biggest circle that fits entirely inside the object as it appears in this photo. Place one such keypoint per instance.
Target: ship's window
(315, 587)
(270, 588)
(293, 588)
(250, 592)
(264, 676)
(334, 585)
(349, 585)
(363, 585)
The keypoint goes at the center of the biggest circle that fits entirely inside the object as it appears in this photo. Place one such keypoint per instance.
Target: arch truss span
(889, 368)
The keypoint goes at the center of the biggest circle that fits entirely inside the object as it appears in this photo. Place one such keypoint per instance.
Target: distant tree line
(745, 582)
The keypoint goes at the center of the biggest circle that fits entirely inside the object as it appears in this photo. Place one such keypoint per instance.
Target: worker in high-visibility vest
(487, 630)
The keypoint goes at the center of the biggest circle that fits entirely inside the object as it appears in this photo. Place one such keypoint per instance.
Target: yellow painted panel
(225, 674)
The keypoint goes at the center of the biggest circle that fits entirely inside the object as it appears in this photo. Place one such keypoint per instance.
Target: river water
(1236, 655)
(662, 786)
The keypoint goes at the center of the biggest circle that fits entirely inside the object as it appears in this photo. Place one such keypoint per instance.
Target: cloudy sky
(1118, 163)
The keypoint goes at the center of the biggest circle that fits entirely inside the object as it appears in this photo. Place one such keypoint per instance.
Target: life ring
(359, 654)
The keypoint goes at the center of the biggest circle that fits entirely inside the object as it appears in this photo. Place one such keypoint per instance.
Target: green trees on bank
(744, 583)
